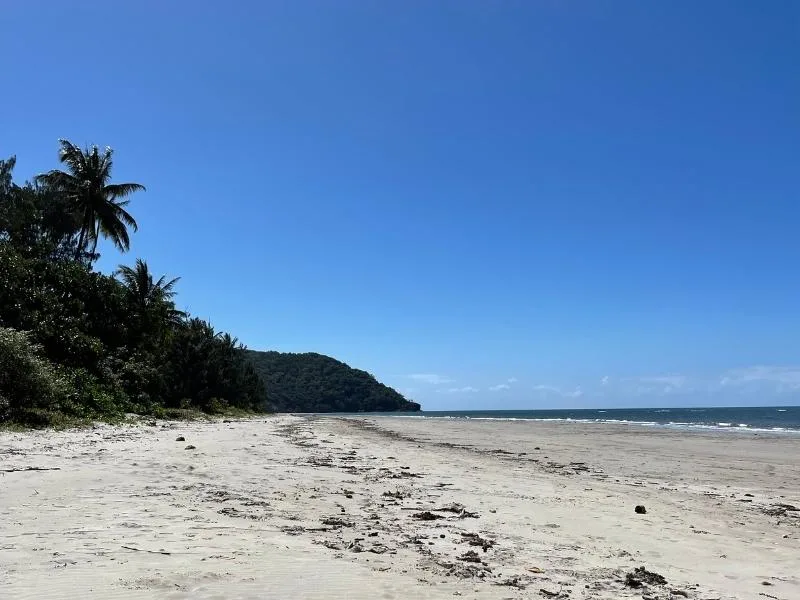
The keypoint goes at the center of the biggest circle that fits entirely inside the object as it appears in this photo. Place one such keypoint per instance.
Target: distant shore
(383, 507)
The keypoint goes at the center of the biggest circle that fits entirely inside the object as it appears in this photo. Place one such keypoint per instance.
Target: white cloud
(467, 389)
(512, 380)
(499, 386)
(754, 381)
(782, 377)
(658, 385)
(431, 378)
(547, 388)
(675, 381)
(557, 391)
(576, 393)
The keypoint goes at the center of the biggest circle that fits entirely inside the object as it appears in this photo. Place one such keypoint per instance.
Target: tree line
(75, 342)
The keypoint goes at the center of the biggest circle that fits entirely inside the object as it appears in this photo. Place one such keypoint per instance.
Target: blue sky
(486, 204)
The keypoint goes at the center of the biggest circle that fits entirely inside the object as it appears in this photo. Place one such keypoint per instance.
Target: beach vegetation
(78, 344)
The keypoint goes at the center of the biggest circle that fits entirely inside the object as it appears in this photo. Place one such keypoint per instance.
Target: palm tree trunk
(81, 243)
(96, 237)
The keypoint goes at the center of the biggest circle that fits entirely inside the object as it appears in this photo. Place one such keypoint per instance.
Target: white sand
(243, 515)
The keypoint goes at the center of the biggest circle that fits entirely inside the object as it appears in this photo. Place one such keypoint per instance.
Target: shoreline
(676, 427)
(365, 507)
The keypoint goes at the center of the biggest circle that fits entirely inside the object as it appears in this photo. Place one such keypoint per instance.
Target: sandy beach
(327, 507)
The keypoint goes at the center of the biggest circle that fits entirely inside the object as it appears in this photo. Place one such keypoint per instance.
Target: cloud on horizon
(557, 391)
(757, 382)
(754, 379)
(783, 378)
(431, 378)
(675, 381)
(503, 386)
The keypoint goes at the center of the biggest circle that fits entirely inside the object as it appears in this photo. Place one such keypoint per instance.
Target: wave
(721, 426)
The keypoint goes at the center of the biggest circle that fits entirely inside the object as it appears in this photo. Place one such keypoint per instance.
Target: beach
(398, 507)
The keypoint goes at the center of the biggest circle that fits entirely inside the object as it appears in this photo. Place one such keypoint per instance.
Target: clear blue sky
(572, 203)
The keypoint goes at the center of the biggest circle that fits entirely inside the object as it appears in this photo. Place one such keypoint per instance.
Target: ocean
(762, 418)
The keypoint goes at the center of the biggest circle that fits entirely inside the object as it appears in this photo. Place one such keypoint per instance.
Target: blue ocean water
(762, 418)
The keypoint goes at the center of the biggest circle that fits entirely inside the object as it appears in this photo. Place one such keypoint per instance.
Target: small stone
(180, 438)
(640, 509)
(190, 447)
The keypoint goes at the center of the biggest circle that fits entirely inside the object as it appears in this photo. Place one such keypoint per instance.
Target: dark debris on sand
(473, 539)
(459, 510)
(427, 515)
(470, 556)
(641, 576)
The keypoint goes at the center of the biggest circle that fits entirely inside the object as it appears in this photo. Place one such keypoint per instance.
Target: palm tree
(98, 203)
(229, 342)
(151, 300)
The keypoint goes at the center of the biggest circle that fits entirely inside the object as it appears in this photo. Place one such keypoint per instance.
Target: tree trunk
(81, 244)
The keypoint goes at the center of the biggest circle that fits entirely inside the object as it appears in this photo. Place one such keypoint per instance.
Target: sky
(486, 204)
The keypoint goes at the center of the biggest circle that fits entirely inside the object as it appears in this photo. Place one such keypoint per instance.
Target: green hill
(313, 382)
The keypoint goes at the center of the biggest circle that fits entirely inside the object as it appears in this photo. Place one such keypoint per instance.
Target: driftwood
(148, 551)
(30, 469)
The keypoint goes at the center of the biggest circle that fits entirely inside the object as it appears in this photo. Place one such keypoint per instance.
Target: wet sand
(304, 507)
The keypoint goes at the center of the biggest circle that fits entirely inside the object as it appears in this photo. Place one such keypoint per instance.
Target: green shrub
(89, 397)
(27, 380)
(215, 406)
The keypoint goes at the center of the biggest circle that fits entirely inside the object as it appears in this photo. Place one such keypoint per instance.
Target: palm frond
(72, 155)
(124, 216)
(57, 180)
(106, 164)
(127, 275)
(115, 231)
(120, 190)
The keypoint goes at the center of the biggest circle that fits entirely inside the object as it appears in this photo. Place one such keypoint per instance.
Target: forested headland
(311, 382)
(77, 344)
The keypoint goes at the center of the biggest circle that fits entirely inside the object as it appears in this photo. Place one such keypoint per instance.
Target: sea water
(763, 418)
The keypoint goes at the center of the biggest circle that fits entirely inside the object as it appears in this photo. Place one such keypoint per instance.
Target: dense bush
(27, 379)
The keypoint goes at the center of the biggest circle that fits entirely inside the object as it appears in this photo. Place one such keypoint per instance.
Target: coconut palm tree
(229, 342)
(99, 205)
(151, 300)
